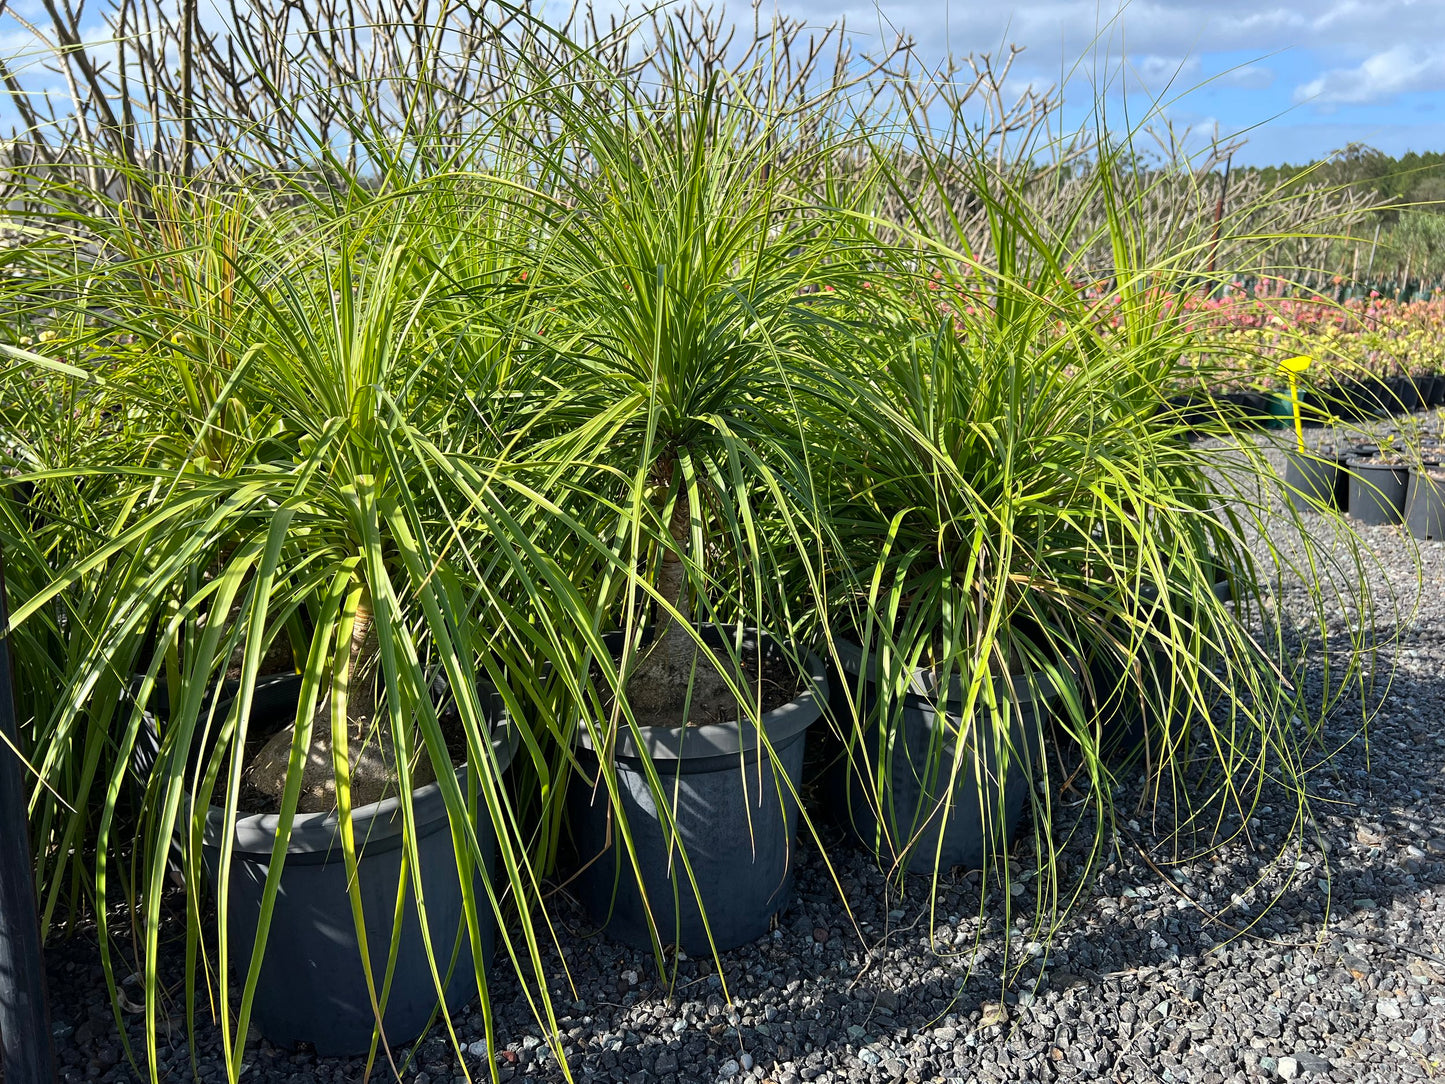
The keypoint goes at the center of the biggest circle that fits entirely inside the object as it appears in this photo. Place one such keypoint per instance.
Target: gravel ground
(1181, 977)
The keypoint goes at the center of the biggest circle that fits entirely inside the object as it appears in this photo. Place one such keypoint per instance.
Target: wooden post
(26, 1054)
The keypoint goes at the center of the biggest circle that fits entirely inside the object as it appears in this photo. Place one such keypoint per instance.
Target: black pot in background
(1248, 409)
(1187, 411)
(736, 818)
(311, 986)
(1437, 390)
(1322, 403)
(1372, 397)
(1377, 492)
(1338, 400)
(1406, 394)
(1427, 385)
(1425, 507)
(1316, 476)
(925, 821)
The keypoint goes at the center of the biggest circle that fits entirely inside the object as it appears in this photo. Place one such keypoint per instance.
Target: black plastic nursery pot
(1378, 397)
(732, 801)
(1248, 409)
(1316, 477)
(1188, 411)
(932, 817)
(1377, 492)
(1322, 403)
(1406, 394)
(311, 986)
(1367, 397)
(1425, 505)
(1123, 692)
(1437, 390)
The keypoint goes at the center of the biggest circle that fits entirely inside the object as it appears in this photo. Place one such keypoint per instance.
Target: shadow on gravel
(814, 994)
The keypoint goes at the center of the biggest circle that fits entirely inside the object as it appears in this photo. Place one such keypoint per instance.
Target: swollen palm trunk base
(929, 815)
(735, 808)
(311, 986)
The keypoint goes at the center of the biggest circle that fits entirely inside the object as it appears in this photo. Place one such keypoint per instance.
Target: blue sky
(1309, 76)
(1303, 77)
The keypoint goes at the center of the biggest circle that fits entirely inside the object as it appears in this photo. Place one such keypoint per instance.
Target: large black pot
(1326, 402)
(1406, 393)
(925, 823)
(734, 804)
(1377, 492)
(1425, 507)
(1368, 397)
(1123, 693)
(311, 986)
(1316, 478)
(1247, 409)
(1437, 390)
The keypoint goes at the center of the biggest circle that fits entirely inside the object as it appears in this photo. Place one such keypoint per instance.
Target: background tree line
(1406, 226)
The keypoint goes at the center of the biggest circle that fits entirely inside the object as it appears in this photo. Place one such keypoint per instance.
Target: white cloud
(1343, 31)
(1379, 77)
(1153, 70)
(1247, 77)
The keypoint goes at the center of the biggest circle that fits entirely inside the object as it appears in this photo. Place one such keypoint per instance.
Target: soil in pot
(730, 806)
(1425, 504)
(931, 816)
(1377, 490)
(311, 986)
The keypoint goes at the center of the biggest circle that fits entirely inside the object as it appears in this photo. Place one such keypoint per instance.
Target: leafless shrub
(161, 88)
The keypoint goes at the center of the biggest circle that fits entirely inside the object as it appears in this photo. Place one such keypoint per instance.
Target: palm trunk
(371, 756)
(675, 684)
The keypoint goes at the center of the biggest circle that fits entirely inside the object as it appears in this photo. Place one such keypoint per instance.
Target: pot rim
(1362, 463)
(1021, 688)
(374, 823)
(731, 740)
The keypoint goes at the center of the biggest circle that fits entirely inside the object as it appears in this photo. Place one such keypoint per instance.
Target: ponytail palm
(1025, 501)
(684, 273)
(380, 535)
(688, 288)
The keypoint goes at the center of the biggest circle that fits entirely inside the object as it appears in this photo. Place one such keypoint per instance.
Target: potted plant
(1425, 503)
(681, 282)
(1318, 475)
(944, 682)
(1377, 481)
(1009, 491)
(347, 817)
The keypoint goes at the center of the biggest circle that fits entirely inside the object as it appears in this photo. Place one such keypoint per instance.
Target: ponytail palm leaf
(682, 275)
